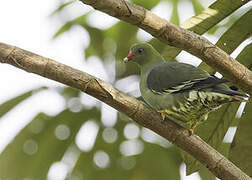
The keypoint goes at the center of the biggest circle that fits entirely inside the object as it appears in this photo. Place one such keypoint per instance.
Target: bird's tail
(236, 96)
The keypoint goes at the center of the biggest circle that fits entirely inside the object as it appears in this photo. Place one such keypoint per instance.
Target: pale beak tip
(126, 59)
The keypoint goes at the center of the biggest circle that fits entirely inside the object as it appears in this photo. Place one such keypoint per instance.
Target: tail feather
(237, 96)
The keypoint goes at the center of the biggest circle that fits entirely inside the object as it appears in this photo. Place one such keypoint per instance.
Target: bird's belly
(187, 108)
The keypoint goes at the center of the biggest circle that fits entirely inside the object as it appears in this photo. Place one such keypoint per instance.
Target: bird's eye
(140, 50)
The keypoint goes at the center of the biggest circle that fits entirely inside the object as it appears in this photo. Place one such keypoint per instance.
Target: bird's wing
(178, 77)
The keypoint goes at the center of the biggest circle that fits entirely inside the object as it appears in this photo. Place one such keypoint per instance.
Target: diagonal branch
(30, 62)
(178, 37)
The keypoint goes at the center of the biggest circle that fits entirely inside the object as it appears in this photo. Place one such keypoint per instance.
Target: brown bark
(178, 37)
(30, 62)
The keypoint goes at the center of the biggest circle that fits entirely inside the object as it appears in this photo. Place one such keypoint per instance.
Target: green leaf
(197, 7)
(154, 163)
(81, 20)
(69, 92)
(174, 17)
(85, 165)
(36, 147)
(95, 47)
(212, 15)
(242, 140)
(245, 56)
(62, 6)
(124, 35)
(236, 34)
(157, 44)
(241, 148)
(202, 22)
(205, 174)
(233, 37)
(8, 105)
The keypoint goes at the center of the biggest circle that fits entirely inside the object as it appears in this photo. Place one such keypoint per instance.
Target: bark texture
(30, 62)
(178, 37)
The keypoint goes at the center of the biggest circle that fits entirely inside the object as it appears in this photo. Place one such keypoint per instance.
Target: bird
(180, 92)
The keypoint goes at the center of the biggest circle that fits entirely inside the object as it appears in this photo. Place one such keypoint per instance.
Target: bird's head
(141, 54)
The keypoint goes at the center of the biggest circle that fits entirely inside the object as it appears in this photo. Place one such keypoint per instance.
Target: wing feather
(176, 77)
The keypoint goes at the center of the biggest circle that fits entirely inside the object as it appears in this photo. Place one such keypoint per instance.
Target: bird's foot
(163, 115)
(191, 131)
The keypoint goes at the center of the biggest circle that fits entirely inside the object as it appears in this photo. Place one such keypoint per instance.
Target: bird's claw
(163, 115)
(191, 131)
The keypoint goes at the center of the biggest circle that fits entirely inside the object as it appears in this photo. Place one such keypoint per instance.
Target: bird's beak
(129, 57)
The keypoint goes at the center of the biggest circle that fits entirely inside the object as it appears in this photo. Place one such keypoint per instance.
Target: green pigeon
(181, 92)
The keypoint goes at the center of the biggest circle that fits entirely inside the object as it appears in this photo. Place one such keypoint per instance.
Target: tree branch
(178, 37)
(130, 106)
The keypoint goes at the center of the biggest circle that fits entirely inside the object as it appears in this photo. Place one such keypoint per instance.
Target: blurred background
(50, 131)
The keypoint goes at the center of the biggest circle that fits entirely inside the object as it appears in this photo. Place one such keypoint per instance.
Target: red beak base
(129, 57)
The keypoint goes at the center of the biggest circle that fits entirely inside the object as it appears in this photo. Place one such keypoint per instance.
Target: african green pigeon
(179, 91)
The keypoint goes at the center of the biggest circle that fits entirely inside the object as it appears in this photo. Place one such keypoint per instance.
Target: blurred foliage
(62, 6)
(41, 143)
(49, 140)
(204, 20)
(166, 160)
(241, 30)
(10, 104)
(240, 152)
